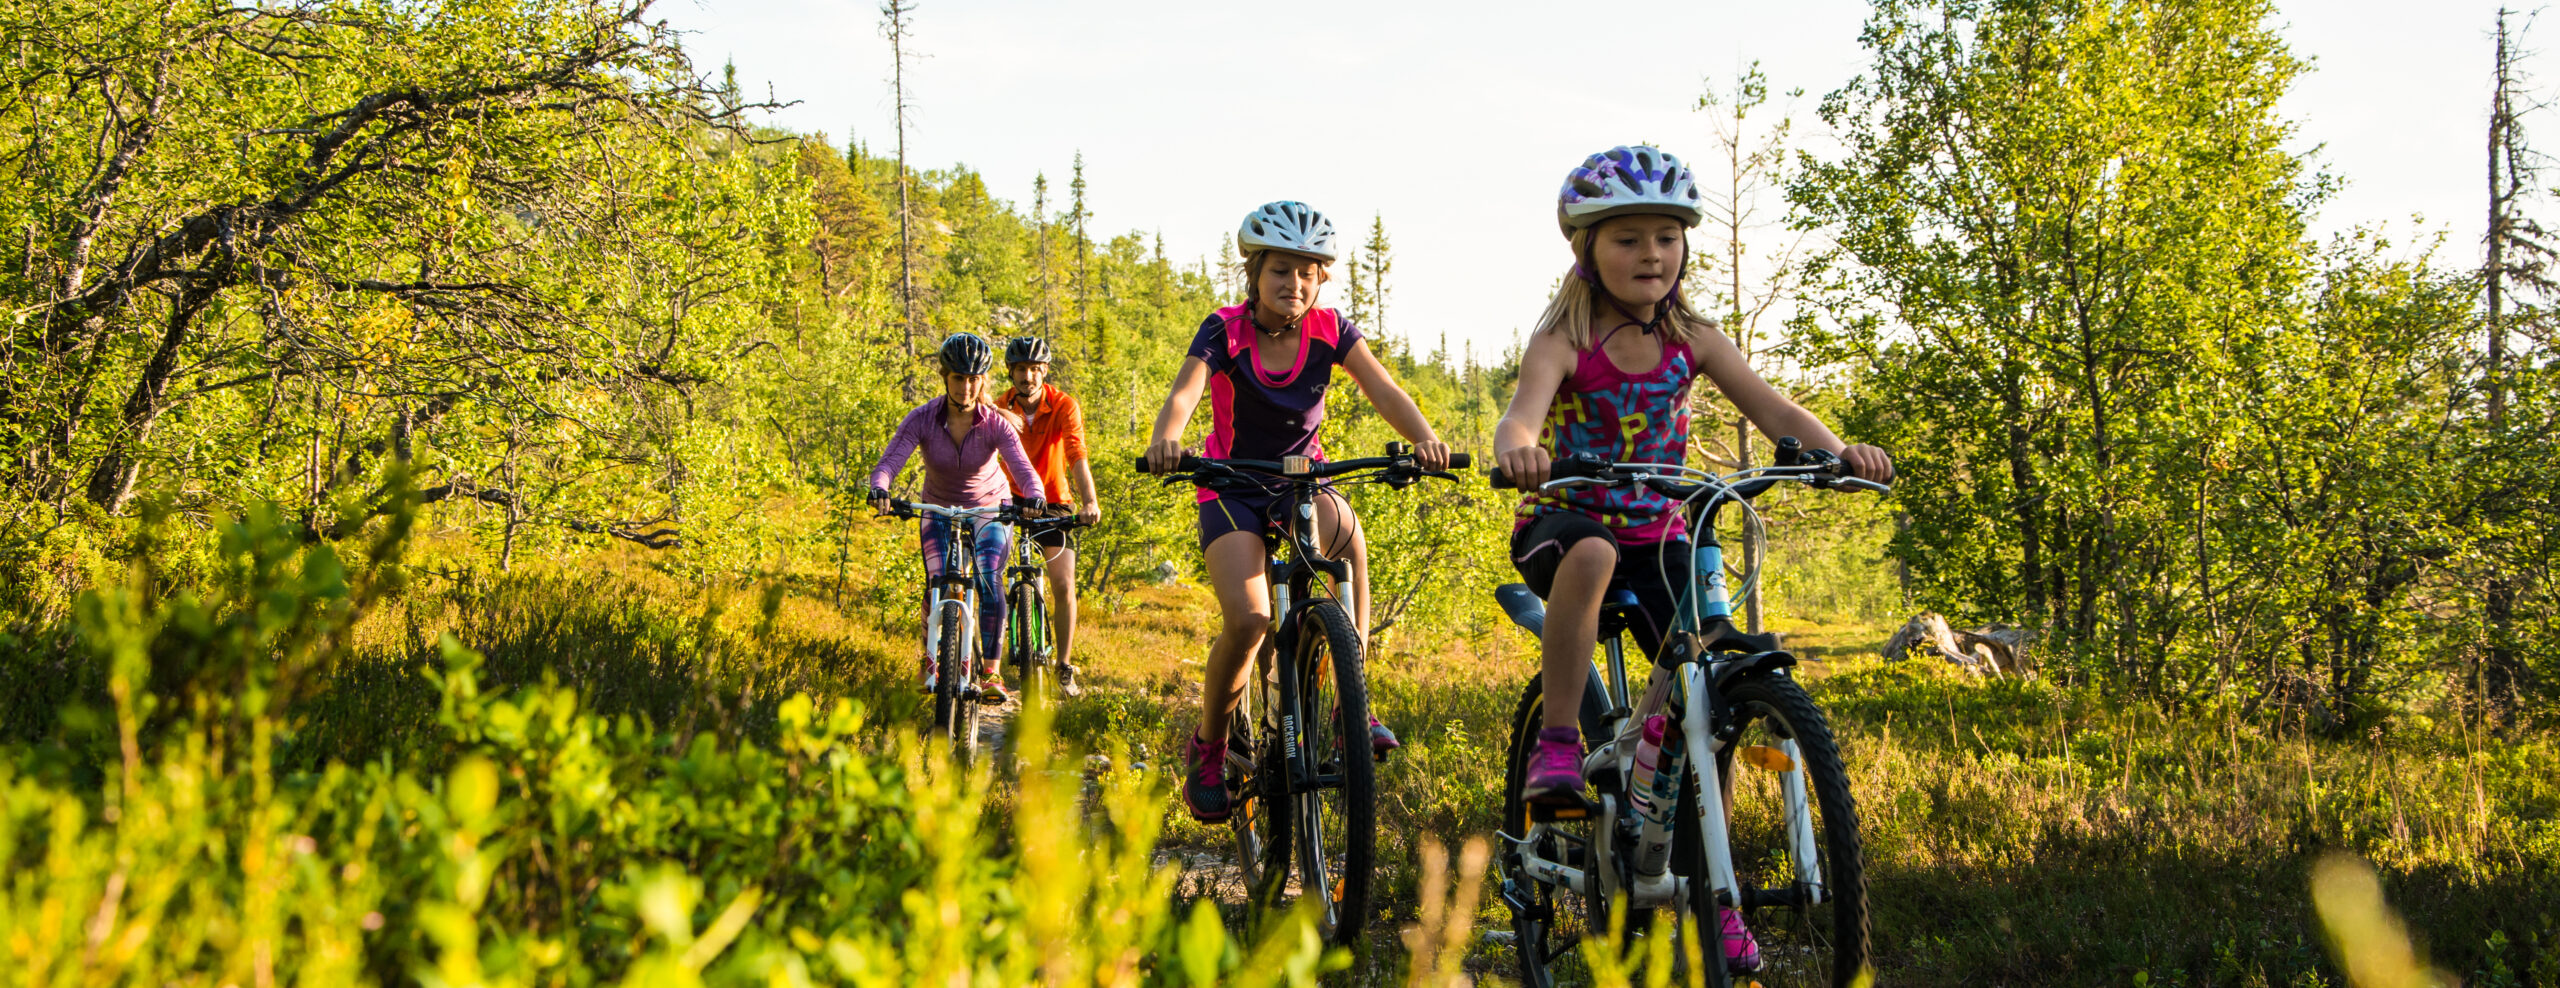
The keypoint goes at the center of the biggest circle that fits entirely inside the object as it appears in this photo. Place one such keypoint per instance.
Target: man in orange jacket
(1053, 435)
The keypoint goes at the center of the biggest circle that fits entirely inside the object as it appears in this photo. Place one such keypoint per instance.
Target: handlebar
(1399, 456)
(912, 509)
(1819, 467)
(1062, 523)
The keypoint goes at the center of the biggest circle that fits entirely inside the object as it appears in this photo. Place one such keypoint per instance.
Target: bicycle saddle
(1529, 612)
(1525, 608)
(1618, 611)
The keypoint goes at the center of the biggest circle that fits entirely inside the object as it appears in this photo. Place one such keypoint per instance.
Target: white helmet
(1628, 179)
(1287, 225)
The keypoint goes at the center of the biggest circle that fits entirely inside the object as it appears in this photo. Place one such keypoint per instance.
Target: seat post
(1617, 611)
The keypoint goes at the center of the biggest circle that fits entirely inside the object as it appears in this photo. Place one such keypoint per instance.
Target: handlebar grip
(1186, 464)
(1585, 465)
(1460, 461)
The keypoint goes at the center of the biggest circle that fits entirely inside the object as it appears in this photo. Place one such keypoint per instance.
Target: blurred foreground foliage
(526, 838)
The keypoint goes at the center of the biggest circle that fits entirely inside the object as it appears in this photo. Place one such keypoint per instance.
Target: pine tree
(1357, 299)
(1084, 259)
(1380, 261)
(1040, 220)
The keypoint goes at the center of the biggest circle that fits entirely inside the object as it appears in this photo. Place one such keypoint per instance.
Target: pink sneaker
(1555, 769)
(1204, 780)
(1741, 952)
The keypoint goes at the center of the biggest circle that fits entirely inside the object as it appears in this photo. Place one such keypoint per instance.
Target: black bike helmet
(1026, 350)
(967, 353)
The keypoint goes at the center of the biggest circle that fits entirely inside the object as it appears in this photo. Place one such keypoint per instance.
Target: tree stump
(1995, 651)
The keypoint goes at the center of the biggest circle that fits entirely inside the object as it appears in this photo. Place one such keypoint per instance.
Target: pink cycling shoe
(1741, 952)
(1555, 769)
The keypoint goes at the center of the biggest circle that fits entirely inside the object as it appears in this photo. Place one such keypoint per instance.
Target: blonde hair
(1569, 312)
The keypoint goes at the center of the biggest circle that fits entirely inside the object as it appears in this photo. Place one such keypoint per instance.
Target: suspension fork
(1697, 727)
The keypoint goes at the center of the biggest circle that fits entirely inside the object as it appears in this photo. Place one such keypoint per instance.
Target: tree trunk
(111, 483)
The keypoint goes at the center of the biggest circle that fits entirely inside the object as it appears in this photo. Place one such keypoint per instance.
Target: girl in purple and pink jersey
(1265, 366)
(1608, 371)
(969, 445)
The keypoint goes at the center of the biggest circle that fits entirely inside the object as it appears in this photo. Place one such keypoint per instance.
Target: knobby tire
(1333, 703)
(947, 675)
(1827, 944)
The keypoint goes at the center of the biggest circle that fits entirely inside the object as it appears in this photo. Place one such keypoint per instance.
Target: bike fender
(1762, 662)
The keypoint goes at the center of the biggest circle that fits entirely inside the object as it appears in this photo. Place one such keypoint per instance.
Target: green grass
(2018, 833)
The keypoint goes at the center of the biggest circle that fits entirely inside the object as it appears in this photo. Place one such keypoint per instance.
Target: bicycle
(950, 627)
(1301, 797)
(1027, 644)
(1723, 696)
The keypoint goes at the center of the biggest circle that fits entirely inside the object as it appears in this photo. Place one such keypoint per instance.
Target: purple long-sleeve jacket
(966, 475)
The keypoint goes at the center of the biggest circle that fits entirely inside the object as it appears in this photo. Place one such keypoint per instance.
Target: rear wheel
(1554, 927)
(1806, 893)
(1548, 922)
(1261, 819)
(1334, 821)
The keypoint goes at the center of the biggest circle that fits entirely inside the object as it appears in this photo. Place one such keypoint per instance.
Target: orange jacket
(1055, 442)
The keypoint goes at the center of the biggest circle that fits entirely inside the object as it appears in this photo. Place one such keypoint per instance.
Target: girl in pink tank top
(1607, 372)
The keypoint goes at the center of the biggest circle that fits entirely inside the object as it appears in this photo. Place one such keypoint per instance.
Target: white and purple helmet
(1287, 225)
(1624, 180)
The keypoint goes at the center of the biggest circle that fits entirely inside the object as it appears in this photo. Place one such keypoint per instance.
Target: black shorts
(1236, 512)
(1055, 538)
(1657, 574)
(1247, 511)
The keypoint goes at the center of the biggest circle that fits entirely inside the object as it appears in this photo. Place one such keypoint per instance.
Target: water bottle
(1655, 793)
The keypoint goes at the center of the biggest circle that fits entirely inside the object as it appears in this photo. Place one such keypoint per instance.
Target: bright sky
(1456, 121)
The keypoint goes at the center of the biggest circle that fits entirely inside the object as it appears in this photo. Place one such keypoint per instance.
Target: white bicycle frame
(934, 600)
(1605, 879)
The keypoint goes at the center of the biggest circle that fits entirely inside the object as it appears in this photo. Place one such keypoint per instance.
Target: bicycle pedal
(1581, 808)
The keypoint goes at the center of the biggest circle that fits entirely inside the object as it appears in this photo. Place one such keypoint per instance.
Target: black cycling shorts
(1241, 509)
(1657, 574)
(1056, 538)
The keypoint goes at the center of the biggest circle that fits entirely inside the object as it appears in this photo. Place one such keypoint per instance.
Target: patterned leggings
(994, 543)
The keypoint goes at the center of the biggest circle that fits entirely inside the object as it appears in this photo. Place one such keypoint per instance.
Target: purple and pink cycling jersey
(966, 474)
(1629, 418)
(1283, 409)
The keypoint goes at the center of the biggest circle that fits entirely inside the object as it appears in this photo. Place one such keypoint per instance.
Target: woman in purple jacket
(962, 434)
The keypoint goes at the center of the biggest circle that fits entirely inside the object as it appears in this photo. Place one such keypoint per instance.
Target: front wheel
(949, 672)
(1335, 792)
(1793, 828)
(1025, 634)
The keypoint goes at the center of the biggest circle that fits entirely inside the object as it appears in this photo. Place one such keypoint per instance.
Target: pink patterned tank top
(1629, 418)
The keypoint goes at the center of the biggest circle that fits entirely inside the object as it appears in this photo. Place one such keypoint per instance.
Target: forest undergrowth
(602, 770)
